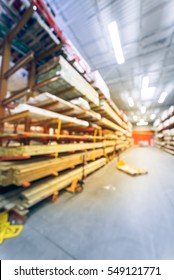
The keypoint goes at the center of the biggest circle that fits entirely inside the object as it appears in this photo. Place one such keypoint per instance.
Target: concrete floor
(116, 217)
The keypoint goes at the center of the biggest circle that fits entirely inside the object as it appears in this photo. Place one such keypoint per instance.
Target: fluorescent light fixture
(135, 118)
(152, 117)
(143, 109)
(115, 38)
(162, 97)
(130, 101)
(145, 83)
(141, 123)
(147, 94)
(146, 91)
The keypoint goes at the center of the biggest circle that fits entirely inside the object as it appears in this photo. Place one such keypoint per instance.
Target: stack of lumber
(24, 199)
(80, 128)
(100, 85)
(56, 104)
(61, 79)
(164, 136)
(165, 140)
(8, 136)
(47, 187)
(159, 140)
(111, 125)
(38, 114)
(106, 111)
(124, 141)
(35, 150)
(10, 197)
(17, 172)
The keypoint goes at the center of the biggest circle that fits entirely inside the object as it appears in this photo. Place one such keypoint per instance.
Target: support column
(31, 78)
(6, 54)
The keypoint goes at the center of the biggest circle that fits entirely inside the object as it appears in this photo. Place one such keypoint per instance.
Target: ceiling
(146, 31)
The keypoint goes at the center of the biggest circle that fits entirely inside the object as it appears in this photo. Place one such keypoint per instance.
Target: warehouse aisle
(116, 217)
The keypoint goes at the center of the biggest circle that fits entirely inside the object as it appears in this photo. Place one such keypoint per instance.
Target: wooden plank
(36, 135)
(13, 97)
(69, 78)
(32, 77)
(39, 191)
(50, 51)
(16, 117)
(106, 111)
(48, 186)
(29, 170)
(64, 92)
(46, 82)
(168, 151)
(19, 64)
(34, 113)
(49, 149)
(107, 123)
(57, 104)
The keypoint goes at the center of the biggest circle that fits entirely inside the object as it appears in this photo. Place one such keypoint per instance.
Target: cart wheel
(79, 189)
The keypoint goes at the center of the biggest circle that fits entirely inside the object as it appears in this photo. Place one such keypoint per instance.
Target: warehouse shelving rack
(25, 48)
(94, 139)
(164, 134)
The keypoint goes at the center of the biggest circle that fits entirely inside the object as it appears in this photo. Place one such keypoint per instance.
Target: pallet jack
(129, 169)
(8, 230)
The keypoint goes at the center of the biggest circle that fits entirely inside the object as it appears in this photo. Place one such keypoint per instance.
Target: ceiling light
(145, 83)
(143, 109)
(141, 123)
(130, 101)
(115, 38)
(148, 93)
(162, 97)
(152, 117)
(135, 118)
